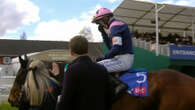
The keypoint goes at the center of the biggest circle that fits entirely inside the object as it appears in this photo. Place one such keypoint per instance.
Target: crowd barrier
(6, 82)
(163, 49)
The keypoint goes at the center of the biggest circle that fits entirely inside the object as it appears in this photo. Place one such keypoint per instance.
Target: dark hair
(79, 45)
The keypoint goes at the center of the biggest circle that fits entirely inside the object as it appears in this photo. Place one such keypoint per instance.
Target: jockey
(117, 37)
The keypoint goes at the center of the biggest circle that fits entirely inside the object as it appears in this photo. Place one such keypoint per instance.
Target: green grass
(6, 106)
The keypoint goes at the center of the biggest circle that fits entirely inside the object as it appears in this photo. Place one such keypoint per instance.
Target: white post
(193, 34)
(157, 27)
(157, 35)
(184, 34)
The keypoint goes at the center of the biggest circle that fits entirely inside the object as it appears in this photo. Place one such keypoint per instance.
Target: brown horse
(168, 90)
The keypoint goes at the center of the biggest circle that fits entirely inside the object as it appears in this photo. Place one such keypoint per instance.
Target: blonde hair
(35, 95)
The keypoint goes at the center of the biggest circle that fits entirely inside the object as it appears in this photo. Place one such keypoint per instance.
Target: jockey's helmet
(101, 14)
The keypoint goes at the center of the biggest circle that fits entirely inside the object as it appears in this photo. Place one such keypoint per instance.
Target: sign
(137, 81)
(182, 52)
(6, 60)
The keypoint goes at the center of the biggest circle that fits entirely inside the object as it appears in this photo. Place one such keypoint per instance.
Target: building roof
(139, 14)
(20, 47)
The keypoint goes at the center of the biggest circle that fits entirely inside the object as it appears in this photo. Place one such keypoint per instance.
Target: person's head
(78, 46)
(102, 17)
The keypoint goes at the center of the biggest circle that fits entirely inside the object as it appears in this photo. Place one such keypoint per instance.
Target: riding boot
(118, 87)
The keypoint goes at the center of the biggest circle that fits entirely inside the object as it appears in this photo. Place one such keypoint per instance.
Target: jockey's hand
(99, 59)
(101, 29)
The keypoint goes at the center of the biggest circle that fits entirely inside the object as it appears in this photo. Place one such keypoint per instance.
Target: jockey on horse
(117, 37)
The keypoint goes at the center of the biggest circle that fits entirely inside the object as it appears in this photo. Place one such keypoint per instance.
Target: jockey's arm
(116, 38)
(113, 51)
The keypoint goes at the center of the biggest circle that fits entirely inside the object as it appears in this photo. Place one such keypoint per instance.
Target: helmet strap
(106, 21)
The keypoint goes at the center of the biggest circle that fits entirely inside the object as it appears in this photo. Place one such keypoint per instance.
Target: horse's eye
(16, 93)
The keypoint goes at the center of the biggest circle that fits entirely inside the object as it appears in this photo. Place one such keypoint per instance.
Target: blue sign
(182, 52)
(137, 80)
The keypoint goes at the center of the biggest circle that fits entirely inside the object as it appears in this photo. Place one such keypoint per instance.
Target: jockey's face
(100, 22)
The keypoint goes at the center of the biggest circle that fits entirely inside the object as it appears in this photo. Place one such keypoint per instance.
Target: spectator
(86, 84)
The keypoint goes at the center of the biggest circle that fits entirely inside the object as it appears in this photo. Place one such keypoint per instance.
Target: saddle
(133, 82)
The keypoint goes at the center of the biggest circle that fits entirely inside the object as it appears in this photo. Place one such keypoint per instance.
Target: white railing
(7, 77)
(164, 49)
(4, 92)
(3, 98)
(147, 45)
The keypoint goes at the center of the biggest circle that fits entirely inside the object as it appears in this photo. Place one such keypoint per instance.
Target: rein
(35, 79)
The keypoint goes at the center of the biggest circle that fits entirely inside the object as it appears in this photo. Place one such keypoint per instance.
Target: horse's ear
(25, 57)
(20, 59)
(23, 62)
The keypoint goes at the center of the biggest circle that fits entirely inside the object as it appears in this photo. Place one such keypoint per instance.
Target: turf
(6, 106)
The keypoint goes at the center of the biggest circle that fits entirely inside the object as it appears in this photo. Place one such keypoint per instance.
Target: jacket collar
(81, 59)
(111, 22)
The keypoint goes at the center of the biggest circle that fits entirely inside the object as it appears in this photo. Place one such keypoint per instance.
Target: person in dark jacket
(86, 84)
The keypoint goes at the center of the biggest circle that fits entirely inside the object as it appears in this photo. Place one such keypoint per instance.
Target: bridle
(34, 76)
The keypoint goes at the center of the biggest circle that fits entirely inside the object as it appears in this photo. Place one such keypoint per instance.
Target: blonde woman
(41, 90)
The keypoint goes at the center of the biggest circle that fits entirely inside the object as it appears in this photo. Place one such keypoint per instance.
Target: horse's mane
(38, 72)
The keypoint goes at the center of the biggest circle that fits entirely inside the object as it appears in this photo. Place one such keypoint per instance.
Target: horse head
(17, 88)
(56, 70)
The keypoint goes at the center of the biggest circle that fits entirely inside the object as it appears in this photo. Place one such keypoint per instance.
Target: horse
(168, 90)
(16, 95)
(40, 88)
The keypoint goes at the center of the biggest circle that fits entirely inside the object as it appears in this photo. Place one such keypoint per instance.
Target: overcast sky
(55, 19)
